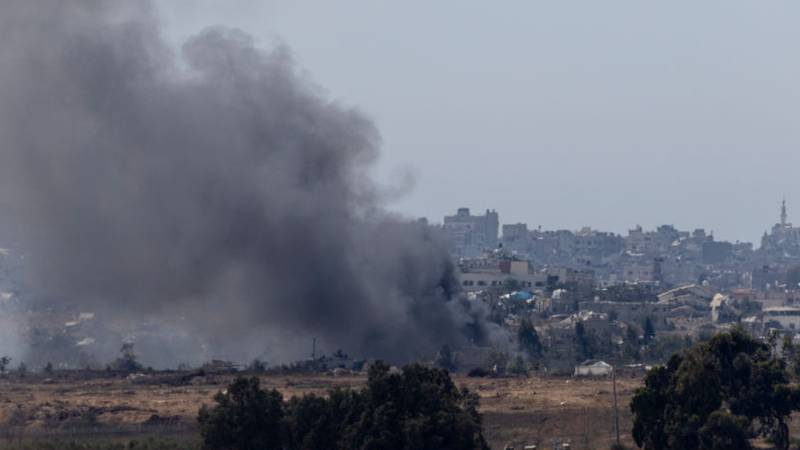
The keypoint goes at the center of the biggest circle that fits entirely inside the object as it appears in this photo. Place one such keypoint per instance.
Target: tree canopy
(649, 331)
(717, 394)
(418, 407)
(583, 345)
(528, 339)
(245, 418)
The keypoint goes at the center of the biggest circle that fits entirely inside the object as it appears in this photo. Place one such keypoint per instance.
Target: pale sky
(561, 114)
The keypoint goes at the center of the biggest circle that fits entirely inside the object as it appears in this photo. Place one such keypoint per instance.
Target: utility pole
(314, 349)
(585, 427)
(616, 411)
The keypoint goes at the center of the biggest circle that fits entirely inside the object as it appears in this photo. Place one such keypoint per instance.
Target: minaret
(783, 214)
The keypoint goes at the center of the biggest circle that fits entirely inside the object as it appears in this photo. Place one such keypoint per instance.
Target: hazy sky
(561, 114)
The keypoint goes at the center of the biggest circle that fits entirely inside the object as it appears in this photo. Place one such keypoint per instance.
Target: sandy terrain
(516, 410)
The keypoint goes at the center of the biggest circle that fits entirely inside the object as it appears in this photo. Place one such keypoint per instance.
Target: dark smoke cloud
(215, 185)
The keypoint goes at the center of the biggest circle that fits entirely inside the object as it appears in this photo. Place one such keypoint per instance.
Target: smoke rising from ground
(215, 185)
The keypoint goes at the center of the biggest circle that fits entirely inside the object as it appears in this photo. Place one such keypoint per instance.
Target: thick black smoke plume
(216, 186)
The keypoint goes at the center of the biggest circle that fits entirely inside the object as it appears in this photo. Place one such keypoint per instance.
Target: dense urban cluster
(666, 255)
(591, 294)
(561, 301)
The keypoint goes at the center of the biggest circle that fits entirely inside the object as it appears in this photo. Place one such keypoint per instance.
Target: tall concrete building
(516, 237)
(469, 234)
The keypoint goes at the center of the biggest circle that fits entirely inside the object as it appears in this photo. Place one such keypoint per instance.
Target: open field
(516, 410)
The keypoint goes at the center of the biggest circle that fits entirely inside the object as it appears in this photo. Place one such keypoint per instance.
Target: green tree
(417, 408)
(312, 423)
(582, 344)
(528, 339)
(724, 431)
(649, 331)
(712, 395)
(631, 349)
(245, 417)
(420, 408)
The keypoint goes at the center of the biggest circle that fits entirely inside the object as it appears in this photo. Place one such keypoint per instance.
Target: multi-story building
(639, 241)
(516, 238)
(642, 270)
(592, 246)
(469, 234)
(552, 247)
(495, 269)
(666, 255)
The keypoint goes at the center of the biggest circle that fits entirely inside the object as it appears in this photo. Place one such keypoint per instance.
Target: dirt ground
(517, 411)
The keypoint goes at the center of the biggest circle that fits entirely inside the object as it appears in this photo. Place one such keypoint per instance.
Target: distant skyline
(564, 115)
(654, 227)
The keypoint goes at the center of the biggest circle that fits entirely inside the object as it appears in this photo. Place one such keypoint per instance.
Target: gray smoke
(215, 186)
